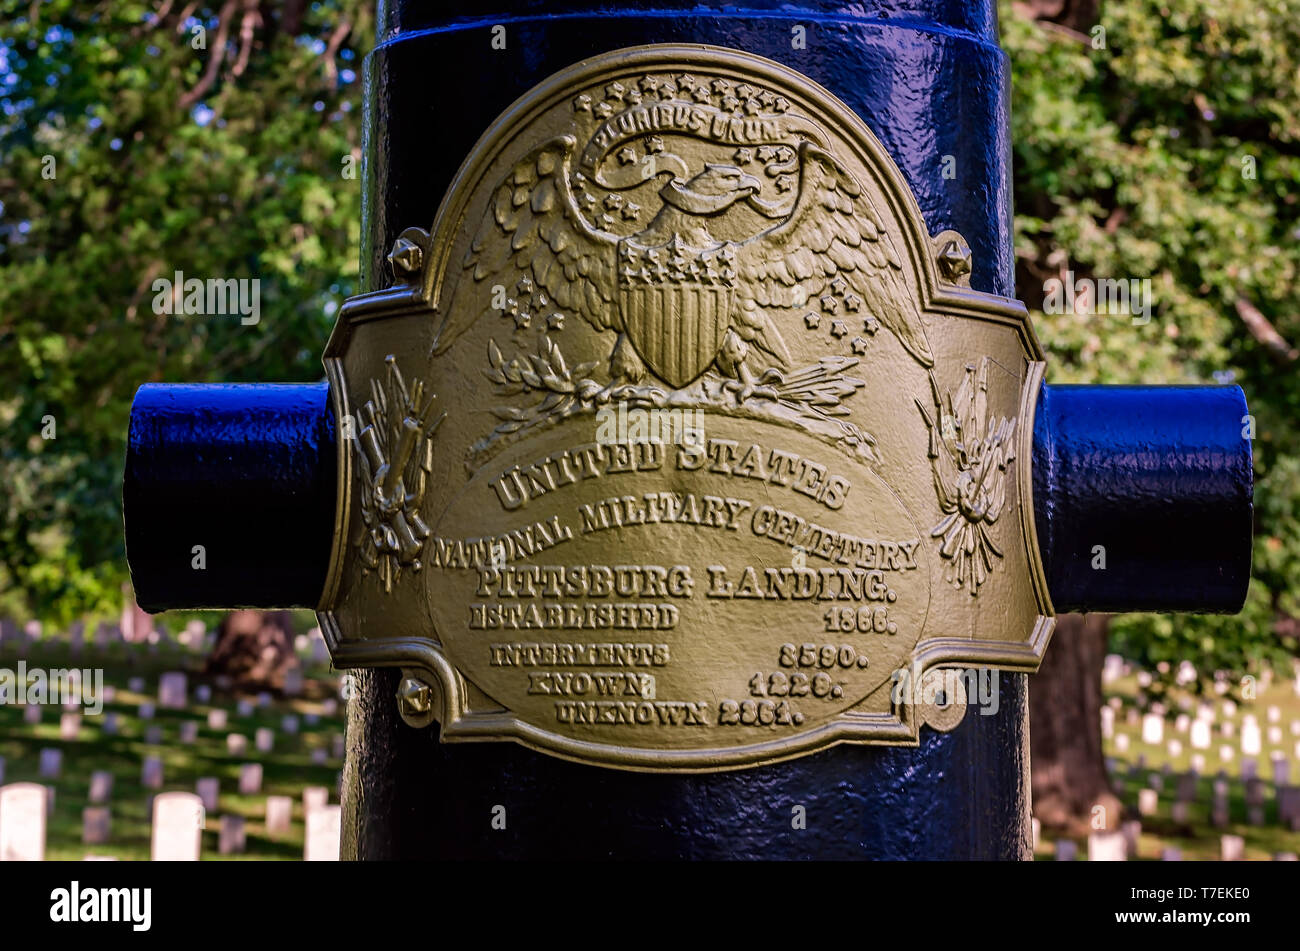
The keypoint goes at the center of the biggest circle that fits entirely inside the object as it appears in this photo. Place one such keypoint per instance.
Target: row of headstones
(1122, 845)
(51, 760)
(151, 771)
(1200, 735)
(194, 635)
(1288, 800)
(178, 821)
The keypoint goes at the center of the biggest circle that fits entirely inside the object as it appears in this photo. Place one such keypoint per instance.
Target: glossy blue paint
(248, 472)
(928, 78)
(1152, 482)
(1154, 474)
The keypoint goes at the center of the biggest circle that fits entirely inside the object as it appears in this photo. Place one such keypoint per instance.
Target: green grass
(1198, 838)
(287, 770)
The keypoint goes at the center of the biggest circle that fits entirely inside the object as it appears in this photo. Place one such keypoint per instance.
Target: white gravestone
(51, 763)
(172, 690)
(217, 719)
(151, 773)
(31, 714)
(1200, 735)
(101, 786)
(189, 732)
(178, 820)
(279, 814)
(208, 789)
(324, 826)
(69, 726)
(264, 739)
(1106, 847)
(1232, 848)
(236, 744)
(22, 822)
(250, 779)
(313, 797)
(231, 839)
(95, 825)
(1147, 802)
(1250, 740)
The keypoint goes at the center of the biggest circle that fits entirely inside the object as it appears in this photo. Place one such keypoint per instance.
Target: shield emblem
(677, 329)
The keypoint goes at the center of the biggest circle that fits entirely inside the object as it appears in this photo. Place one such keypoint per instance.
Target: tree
(1164, 146)
(219, 140)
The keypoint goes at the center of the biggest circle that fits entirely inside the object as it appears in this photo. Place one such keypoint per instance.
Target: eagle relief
(723, 433)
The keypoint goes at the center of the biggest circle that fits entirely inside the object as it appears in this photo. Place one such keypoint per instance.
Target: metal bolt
(415, 697)
(954, 261)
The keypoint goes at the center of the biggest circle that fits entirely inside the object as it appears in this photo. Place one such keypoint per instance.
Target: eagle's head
(713, 190)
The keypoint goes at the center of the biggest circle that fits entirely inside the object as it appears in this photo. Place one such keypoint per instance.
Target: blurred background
(1153, 140)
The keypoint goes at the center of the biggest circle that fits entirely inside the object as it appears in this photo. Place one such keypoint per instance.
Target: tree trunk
(1068, 770)
(253, 651)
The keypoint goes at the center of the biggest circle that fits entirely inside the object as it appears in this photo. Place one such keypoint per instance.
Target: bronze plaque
(678, 442)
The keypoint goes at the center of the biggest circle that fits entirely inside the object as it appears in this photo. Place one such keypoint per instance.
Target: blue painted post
(1139, 471)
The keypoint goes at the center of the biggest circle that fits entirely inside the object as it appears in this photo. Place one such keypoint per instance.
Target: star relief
(701, 93)
(649, 84)
(654, 144)
(743, 156)
(614, 91)
(858, 345)
(785, 182)
(603, 110)
(627, 155)
(555, 321)
(838, 329)
(812, 319)
(730, 103)
(630, 211)
(582, 103)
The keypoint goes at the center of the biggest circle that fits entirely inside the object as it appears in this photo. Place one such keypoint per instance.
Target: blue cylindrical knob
(1142, 497)
(229, 495)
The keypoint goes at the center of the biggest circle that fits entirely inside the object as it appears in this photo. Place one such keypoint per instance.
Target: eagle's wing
(534, 223)
(835, 230)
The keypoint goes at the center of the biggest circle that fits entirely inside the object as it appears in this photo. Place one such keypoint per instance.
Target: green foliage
(245, 183)
(1134, 161)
